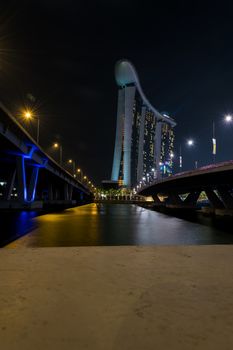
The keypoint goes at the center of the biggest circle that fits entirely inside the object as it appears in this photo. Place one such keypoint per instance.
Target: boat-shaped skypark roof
(126, 74)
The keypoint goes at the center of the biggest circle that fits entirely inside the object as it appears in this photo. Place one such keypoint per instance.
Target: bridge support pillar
(24, 194)
(174, 199)
(191, 199)
(214, 200)
(50, 192)
(58, 193)
(226, 198)
(156, 199)
(66, 192)
(32, 185)
(70, 192)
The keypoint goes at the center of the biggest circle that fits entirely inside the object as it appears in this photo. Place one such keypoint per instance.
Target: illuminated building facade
(167, 146)
(144, 137)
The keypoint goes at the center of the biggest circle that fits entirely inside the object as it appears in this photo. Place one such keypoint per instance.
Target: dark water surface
(109, 224)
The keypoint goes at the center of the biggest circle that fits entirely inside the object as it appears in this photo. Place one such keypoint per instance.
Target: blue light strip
(25, 191)
(24, 181)
(35, 184)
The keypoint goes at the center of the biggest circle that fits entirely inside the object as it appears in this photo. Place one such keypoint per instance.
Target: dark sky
(63, 53)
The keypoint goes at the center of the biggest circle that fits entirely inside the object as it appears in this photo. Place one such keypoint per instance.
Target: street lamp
(58, 146)
(79, 171)
(153, 173)
(85, 180)
(189, 143)
(70, 161)
(228, 118)
(29, 115)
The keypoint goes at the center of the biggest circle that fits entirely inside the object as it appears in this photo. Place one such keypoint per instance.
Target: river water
(109, 224)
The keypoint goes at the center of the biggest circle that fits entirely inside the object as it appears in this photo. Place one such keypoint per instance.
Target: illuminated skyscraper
(144, 137)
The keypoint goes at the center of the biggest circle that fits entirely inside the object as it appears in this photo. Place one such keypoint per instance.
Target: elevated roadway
(38, 179)
(216, 180)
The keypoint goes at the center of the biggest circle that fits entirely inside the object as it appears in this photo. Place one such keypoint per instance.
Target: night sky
(63, 53)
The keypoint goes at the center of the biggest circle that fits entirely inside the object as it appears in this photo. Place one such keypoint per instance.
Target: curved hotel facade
(144, 137)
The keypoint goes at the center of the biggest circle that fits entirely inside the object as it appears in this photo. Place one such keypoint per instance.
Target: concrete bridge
(216, 180)
(29, 177)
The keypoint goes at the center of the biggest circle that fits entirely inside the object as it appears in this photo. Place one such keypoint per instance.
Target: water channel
(109, 224)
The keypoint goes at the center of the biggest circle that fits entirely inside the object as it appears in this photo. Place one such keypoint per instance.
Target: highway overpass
(29, 177)
(216, 180)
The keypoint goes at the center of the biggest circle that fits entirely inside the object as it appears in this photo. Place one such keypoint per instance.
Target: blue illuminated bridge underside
(25, 166)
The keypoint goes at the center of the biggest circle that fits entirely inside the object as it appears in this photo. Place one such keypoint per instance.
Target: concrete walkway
(117, 298)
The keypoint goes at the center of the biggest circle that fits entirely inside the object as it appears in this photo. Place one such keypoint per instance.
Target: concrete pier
(177, 297)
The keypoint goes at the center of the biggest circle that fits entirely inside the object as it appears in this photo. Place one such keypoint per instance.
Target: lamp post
(153, 173)
(214, 143)
(189, 143)
(79, 171)
(58, 146)
(29, 115)
(86, 181)
(180, 159)
(70, 161)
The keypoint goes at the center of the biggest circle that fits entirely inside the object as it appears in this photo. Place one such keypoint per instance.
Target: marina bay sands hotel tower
(144, 137)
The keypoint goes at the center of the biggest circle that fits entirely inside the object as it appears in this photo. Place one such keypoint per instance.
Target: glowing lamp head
(79, 170)
(55, 145)
(172, 155)
(228, 118)
(70, 161)
(27, 114)
(85, 177)
(190, 142)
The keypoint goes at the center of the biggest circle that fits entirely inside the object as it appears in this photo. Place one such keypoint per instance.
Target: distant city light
(190, 142)
(228, 118)
(172, 155)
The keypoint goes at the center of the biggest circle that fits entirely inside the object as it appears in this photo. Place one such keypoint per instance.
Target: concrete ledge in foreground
(117, 298)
